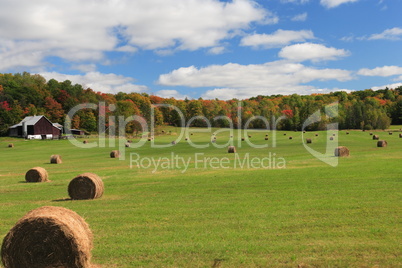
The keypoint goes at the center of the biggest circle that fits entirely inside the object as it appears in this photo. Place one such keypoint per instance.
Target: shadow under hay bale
(48, 237)
(115, 154)
(55, 159)
(382, 143)
(231, 149)
(309, 141)
(342, 151)
(11, 145)
(36, 174)
(86, 186)
(376, 137)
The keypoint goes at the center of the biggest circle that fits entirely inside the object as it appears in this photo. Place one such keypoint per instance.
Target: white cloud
(217, 50)
(170, 93)
(391, 86)
(300, 17)
(389, 34)
(81, 31)
(235, 80)
(279, 38)
(381, 71)
(295, 1)
(313, 52)
(106, 83)
(335, 3)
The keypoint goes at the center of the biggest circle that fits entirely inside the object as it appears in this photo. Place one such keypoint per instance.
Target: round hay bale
(331, 138)
(249, 136)
(243, 139)
(309, 140)
(304, 131)
(36, 174)
(174, 142)
(266, 138)
(382, 143)
(284, 134)
(371, 133)
(86, 186)
(127, 144)
(55, 159)
(290, 137)
(390, 133)
(334, 134)
(85, 142)
(316, 135)
(342, 151)
(231, 149)
(11, 145)
(376, 137)
(149, 139)
(400, 135)
(347, 133)
(129, 141)
(186, 139)
(115, 154)
(48, 237)
(266, 135)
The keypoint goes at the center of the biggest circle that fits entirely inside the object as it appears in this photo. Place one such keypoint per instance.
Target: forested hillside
(26, 94)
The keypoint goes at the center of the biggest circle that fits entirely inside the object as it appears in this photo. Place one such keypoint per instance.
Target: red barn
(36, 127)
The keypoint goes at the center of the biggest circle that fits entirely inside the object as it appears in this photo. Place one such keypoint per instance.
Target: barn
(36, 127)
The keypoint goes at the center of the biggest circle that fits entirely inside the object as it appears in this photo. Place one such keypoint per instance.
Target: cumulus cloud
(236, 80)
(106, 83)
(300, 17)
(279, 38)
(395, 85)
(335, 3)
(312, 52)
(84, 30)
(389, 34)
(171, 93)
(381, 71)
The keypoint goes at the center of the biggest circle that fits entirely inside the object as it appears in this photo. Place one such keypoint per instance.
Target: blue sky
(206, 48)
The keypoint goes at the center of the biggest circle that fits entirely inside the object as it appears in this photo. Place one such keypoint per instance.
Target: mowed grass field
(303, 213)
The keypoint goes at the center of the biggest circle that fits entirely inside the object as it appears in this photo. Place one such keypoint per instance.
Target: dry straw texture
(55, 159)
(86, 186)
(231, 149)
(114, 154)
(36, 174)
(342, 151)
(376, 137)
(382, 144)
(48, 237)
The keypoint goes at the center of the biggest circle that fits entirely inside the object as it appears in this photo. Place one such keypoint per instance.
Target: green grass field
(299, 213)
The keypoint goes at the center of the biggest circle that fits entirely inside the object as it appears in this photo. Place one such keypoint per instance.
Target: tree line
(25, 94)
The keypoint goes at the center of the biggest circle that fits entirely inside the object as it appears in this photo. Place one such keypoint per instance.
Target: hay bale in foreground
(48, 237)
(115, 154)
(376, 137)
(231, 149)
(86, 186)
(309, 141)
(382, 143)
(55, 159)
(342, 151)
(36, 174)
(11, 145)
(400, 135)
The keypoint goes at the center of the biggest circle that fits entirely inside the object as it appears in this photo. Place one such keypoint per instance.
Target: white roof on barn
(31, 120)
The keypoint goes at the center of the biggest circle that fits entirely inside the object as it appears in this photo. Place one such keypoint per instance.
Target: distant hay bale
(266, 138)
(129, 141)
(149, 139)
(243, 139)
(400, 135)
(382, 143)
(376, 137)
(48, 237)
(266, 135)
(85, 142)
(231, 149)
(186, 139)
(127, 144)
(284, 134)
(191, 134)
(36, 174)
(371, 133)
(290, 137)
(316, 135)
(304, 131)
(55, 159)
(309, 141)
(11, 145)
(115, 154)
(334, 134)
(342, 151)
(174, 142)
(390, 133)
(331, 138)
(347, 133)
(86, 186)
(249, 136)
